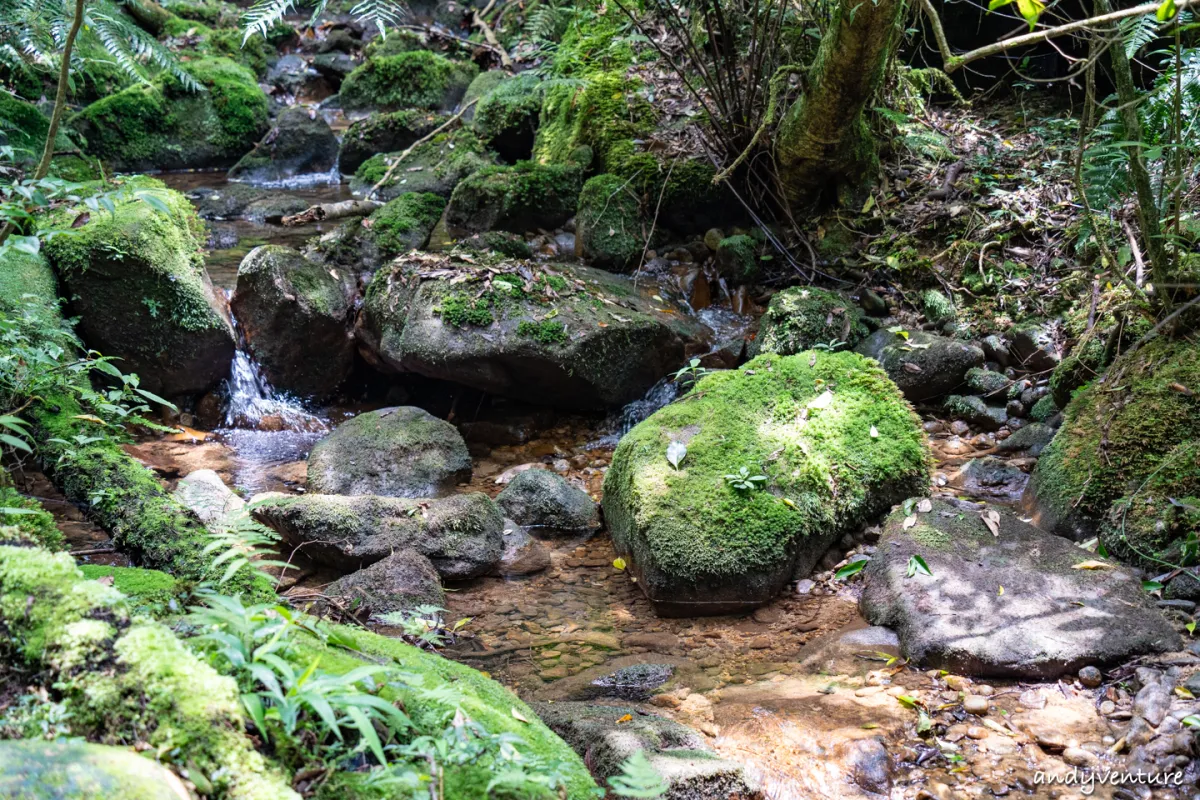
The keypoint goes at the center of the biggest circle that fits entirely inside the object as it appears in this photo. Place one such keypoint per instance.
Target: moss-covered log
(824, 141)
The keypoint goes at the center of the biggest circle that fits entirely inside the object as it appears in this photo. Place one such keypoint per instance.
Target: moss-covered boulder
(435, 166)
(417, 79)
(293, 314)
(402, 581)
(1084, 364)
(975, 412)
(389, 132)
(520, 198)
(148, 590)
(203, 39)
(300, 147)
(139, 287)
(1129, 437)
(39, 770)
(783, 456)
(404, 223)
(737, 258)
(395, 452)
(598, 111)
(804, 317)
(506, 117)
(566, 336)
(461, 534)
(27, 515)
(62, 625)
(166, 126)
(609, 229)
(23, 127)
(26, 278)
(1051, 619)
(545, 504)
(925, 366)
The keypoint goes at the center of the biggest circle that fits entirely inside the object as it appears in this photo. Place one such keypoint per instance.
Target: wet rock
(975, 704)
(523, 197)
(633, 683)
(334, 67)
(924, 366)
(397, 452)
(384, 133)
(1153, 700)
(686, 533)
(870, 765)
(208, 497)
(872, 303)
(242, 201)
(523, 554)
(842, 652)
(993, 477)
(975, 412)
(1036, 347)
(1031, 439)
(659, 642)
(293, 315)
(462, 535)
(300, 145)
(546, 505)
(608, 224)
(289, 74)
(435, 166)
(801, 318)
(1050, 620)
(40, 770)
(506, 118)
(986, 382)
(400, 582)
(678, 753)
(1090, 677)
(152, 306)
(592, 354)
(1078, 757)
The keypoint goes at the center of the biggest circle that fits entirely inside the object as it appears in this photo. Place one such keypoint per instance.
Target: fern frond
(1137, 32)
(380, 13)
(264, 15)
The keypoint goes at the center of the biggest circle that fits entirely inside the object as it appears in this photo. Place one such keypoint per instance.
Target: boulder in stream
(397, 452)
(523, 554)
(401, 582)
(608, 735)
(389, 132)
(142, 294)
(803, 317)
(523, 197)
(435, 166)
(417, 79)
(552, 334)
(462, 534)
(208, 497)
(1009, 601)
(299, 146)
(545, 504)
(783, 456)
(925, 366)
(293, 313)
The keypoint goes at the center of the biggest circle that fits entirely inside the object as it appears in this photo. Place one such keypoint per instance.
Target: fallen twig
(392, 167)
(324, 211)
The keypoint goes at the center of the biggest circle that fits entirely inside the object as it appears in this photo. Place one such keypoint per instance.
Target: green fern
(638, 778)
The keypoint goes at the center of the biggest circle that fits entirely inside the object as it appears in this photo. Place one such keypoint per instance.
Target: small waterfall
(254, 404)
(660, 394)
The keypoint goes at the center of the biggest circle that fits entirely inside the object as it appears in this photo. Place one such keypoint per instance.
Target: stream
(801, 690)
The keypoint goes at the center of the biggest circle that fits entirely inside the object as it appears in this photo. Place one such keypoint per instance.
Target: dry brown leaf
(991, 518)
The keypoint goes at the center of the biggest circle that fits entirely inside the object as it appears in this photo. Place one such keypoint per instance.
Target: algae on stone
(803, 317)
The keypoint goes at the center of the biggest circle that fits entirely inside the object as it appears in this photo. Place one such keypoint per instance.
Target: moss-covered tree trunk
(823, 142)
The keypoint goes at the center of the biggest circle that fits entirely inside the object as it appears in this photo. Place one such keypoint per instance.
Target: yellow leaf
(619, 563)
(788, 503)
(1092, 563)
(1000, 592)
(870, 726)
(624, 719)
(518, 715)
(91, 418)
(869, 204)
(1184, 693)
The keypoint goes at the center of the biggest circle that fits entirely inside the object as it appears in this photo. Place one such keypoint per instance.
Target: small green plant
(424, 626)
(851, 569)
(917, 564)
(242, 541)
(743, 481)
(832, 346)
(638, 778)
(689, 373)
(547, 331)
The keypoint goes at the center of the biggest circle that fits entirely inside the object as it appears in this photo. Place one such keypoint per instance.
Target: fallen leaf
(1000, 592)
(1092, 563)
(991, 518)
(518, 715)
(912, 368)
(624, 719)
(618, 563)
(874, 432)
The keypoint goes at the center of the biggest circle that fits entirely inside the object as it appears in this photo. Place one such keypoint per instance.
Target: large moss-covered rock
(165, 126)
(389, 132)
(544, 503)
(1051, 619)
(141, 292)
(599, 111)
(435, 166)
(558, 335)
(803, 317)
(61, 625)
(293, 313)
(923, 365)
(299, 147)
(506, 117)
(39, 770)
(404, 223)
(396, 452)
(832, 437)
(26, 278)
(27, 515)
(1131, 434)
(419, 79)
(520, 198)
(609, 230)
(23, 127)
(462, 534)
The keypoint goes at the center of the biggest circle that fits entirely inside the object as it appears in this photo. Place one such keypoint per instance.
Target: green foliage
(638, 778)
(424, 626)
(743, 481)
(404, 223)
(415, 79)
(459, 310)
(27, 515)
(547, 331)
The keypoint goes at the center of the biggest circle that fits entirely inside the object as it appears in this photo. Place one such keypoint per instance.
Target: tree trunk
(823, 142)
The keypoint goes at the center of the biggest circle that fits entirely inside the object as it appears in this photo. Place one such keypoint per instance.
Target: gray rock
(1036, 347)
(400, 582)
(397, 452)
(300, 144)
(523, 554)
(208, 497)
(924, 366)
(546, 505)
(870, 765)
(1031, 438)
(293, 315)
(985, 382)
(679, 754)
(462, 534)
(39, 770)
(1051, 619)
(633, 683)
(242, 201)
(384, 133)
(993, 477)
(975, 412)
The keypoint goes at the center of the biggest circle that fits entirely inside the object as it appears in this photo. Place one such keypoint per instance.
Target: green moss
(27, 516)
(497, 243)
(436, 166)
(404, 223)
(214, 13)
(601, 113)
(149, 590)
(24, 277)
(519, 198)
(1084, 364)
(1043, 409)
(153, 688)
(22, 127)
(414, 79)
(682, 189)
(506, 117)
(986, 382)
(1119, 432)
(460, 310)
(938, 308)
(803, 317)
(737, 258)
(546, 332)
(608, 223)
(826, 471)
